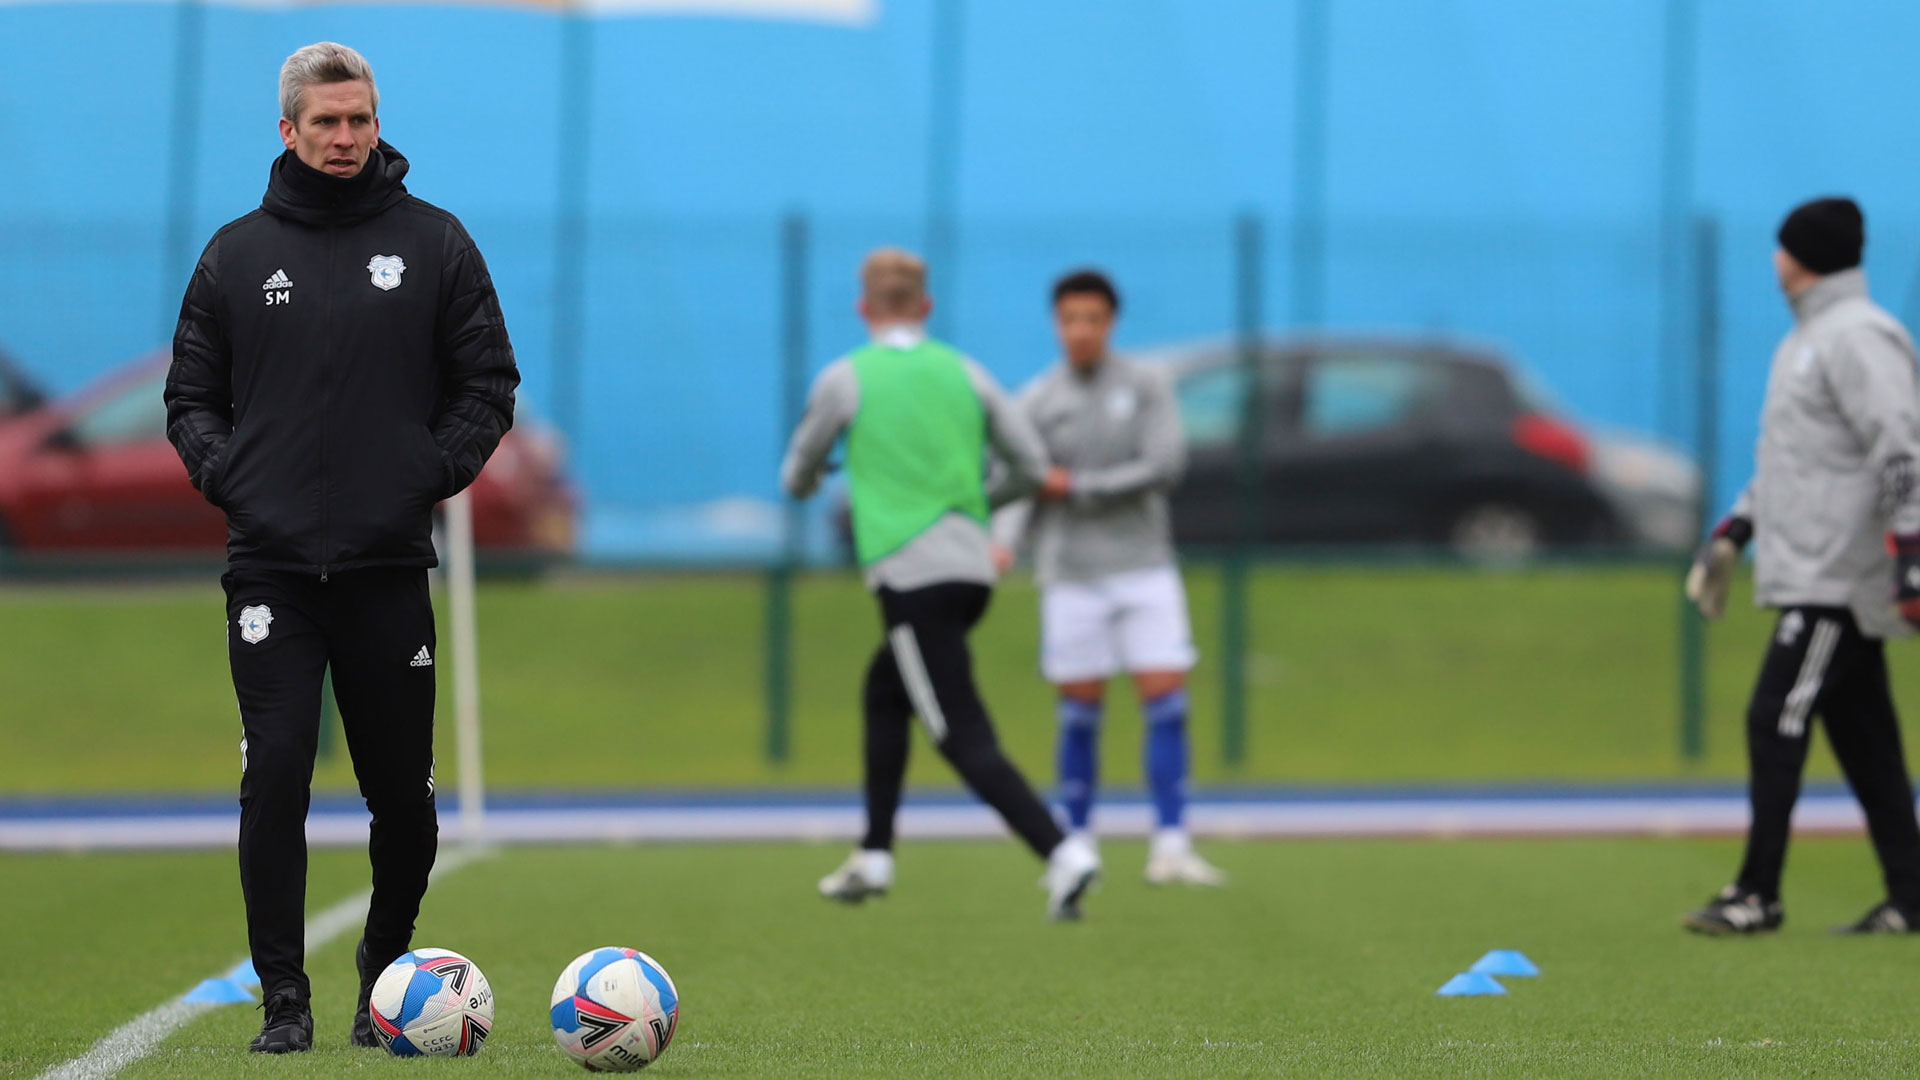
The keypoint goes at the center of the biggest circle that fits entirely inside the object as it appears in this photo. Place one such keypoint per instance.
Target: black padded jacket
(340, 366)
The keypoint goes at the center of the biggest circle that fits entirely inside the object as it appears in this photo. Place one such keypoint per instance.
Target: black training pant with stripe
(374, 629)
(1820, 665)
(925, 669)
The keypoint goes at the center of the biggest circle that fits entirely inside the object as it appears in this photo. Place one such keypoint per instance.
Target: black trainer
(288, 1028)
(1735, 911)
(363, 1015)
(1886, 917)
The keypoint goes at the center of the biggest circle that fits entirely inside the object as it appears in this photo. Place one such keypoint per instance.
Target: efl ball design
(614, 1010)
(434, 1002)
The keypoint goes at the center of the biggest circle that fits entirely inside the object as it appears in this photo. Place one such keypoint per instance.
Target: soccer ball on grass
(614, 1010)
(432, 1002)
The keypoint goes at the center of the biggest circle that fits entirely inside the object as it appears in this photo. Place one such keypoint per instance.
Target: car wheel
(1495, 533)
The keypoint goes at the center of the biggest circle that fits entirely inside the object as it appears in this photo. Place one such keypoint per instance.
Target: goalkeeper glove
(1712, 571)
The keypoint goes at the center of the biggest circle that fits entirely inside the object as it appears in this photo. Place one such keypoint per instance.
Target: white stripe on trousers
(1813, 671)
(913, 671)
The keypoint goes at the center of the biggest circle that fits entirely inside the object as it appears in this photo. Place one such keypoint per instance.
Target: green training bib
(916, 449)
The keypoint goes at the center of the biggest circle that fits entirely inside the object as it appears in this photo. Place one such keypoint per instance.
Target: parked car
(1403, 442)
(94, 473)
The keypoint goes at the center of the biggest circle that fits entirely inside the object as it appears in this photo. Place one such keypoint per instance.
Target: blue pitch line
(113, 806)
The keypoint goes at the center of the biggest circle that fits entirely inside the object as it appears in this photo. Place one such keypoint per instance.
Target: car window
(1349, 395)
(1482, 392)
(135, 414)
(1212, 403)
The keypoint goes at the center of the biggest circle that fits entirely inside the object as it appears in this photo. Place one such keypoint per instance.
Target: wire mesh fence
(674, 368)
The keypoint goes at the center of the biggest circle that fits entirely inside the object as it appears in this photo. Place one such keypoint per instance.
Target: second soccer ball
(614, 1010)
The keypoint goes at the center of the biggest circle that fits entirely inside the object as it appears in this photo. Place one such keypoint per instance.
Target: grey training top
(956, 547)
(1835, 470)
(1117, 430)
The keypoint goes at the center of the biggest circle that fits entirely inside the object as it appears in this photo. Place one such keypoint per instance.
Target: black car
(1383, 442)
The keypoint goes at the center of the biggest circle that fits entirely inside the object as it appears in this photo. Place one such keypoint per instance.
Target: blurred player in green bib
(1111, 597)
(919, 418)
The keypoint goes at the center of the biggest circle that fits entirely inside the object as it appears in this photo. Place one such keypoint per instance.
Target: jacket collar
(299, 192)
(1828, 291)
(1091, 375)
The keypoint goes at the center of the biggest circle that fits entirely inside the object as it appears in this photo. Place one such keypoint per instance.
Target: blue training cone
(1470, 984)
(219, 992)
(244, 974)
(1505, 962)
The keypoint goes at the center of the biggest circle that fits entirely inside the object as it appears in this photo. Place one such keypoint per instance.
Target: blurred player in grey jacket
(1835, 518)
(1111, 597)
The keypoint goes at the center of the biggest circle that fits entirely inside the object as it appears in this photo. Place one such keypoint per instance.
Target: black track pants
(374, 628)
(924, 669)
(1819, 665)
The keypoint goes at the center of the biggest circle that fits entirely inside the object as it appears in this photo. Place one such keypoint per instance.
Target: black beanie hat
(1825, 235)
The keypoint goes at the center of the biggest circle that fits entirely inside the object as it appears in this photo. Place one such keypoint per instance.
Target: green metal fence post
(176, 252)
(946, 72)
(779, 673)
(793, 390)
(1706, 436)
(1679, 108)
(1234, 584)
(1693, 684)
(575, 100)
(1307, 303)
(1312, 76)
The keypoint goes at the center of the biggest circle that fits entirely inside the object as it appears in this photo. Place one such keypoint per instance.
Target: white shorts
(1133, 621)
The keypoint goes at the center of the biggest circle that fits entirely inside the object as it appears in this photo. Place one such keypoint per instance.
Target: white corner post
(466, 666)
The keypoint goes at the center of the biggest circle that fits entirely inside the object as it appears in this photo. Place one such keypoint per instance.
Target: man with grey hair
(340, 366)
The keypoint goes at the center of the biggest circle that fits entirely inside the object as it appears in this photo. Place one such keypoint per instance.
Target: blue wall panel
(1493, 172)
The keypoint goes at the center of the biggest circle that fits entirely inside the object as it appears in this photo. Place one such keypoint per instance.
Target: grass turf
(1358, 675)
(1320, 959)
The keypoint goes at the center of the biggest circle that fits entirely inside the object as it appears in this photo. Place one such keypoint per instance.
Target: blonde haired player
(918, 418)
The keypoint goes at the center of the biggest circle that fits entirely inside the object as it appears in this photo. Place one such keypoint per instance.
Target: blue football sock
(1166, 754)
(1079, 759)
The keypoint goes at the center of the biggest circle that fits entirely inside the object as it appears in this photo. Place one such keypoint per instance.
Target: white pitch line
(129, 1042)
(140, 1036)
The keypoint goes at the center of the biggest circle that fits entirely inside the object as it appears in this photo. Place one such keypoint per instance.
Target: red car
(94, 473)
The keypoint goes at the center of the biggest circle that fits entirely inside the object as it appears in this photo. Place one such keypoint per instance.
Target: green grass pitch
(1321, 959)
(1387, 674)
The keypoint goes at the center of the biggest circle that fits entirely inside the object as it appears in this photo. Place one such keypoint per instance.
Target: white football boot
(1172, 861)
(1071, 871)
(864, 874)
(1086, 839)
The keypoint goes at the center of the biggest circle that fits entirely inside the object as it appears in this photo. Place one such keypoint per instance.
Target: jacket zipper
(326, 401)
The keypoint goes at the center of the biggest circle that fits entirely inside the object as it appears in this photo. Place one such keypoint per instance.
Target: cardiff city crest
(254, 622)
(386, 271)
